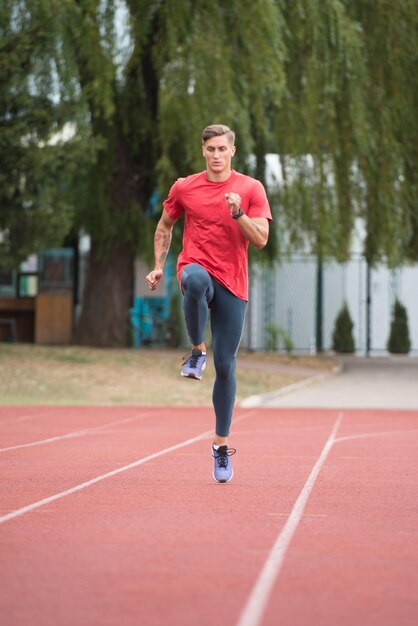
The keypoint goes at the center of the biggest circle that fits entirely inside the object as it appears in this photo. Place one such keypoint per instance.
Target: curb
(259, 400)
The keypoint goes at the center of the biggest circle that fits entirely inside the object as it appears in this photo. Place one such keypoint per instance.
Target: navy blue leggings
(227, 316)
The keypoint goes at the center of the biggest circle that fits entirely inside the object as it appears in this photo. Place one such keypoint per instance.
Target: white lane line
(256, 604)
(88, 483)
(119, 470)
(24, 417)
(377, 434)
(76, 433)
(29, 417)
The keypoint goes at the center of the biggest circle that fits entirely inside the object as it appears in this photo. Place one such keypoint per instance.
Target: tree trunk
(104, 320)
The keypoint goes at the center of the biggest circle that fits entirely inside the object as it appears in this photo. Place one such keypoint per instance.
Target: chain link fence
(284, 308)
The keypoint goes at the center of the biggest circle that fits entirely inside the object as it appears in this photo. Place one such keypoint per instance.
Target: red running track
(110, 516)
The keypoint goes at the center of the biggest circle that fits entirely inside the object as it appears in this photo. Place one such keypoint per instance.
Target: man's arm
(255, 229)
(162, 241)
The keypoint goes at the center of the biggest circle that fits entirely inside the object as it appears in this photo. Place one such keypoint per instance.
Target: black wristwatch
(238, 215)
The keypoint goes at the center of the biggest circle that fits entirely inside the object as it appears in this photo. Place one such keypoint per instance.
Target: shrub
(275, 336)
(399, 341)
(342, 336)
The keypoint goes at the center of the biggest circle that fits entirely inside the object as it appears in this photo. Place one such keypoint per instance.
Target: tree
(330, 85)
(186, 65)
(37, 167)
(347, 127)
(342, 336)
(387, 149)
(399, 341)
(317, 126)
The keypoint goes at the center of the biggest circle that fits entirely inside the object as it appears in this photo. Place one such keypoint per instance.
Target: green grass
(31, 374)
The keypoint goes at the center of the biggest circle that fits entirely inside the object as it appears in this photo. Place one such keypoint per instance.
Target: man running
(224, 212)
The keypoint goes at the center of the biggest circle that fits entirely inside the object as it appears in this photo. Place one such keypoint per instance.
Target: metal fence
(287, 298)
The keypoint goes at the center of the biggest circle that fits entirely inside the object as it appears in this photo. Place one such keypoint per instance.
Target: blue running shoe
(222, 472)
(194, 364)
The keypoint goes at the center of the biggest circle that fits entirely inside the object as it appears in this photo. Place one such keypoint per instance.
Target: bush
(399, 341)
(342, 336)
(276, 336)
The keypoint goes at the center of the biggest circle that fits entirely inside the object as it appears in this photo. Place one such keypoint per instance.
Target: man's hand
(255, 229)
(233, 201)
(154, 278)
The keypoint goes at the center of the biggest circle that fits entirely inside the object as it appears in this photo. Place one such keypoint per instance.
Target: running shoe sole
(222, 482)
(191, 375)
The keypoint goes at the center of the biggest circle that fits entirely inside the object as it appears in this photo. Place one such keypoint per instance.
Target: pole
(368, 308)
(319, 304)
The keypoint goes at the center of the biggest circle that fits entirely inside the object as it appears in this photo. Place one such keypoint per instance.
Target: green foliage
(399, 341)
(387, 148)
(331, 86)
(317, 126)
(148, 99)
(38, 169)
(224, 64)
(334, 80)
(342, 336)
(350, 104)
(277, 337)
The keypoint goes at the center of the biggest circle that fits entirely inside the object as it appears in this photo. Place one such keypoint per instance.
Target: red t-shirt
(211, 237)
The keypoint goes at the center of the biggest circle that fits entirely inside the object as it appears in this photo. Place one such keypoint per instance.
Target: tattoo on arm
(162, 242)
(163, 238)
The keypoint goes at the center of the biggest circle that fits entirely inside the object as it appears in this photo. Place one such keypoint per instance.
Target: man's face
(218, 152)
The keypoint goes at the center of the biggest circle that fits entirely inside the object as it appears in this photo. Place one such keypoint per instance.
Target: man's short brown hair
(216, 130)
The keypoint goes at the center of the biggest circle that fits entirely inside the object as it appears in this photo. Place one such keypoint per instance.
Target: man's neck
(218, 178)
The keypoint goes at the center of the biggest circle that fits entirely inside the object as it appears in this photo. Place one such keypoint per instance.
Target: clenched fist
(233, 201)
(154, 278)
